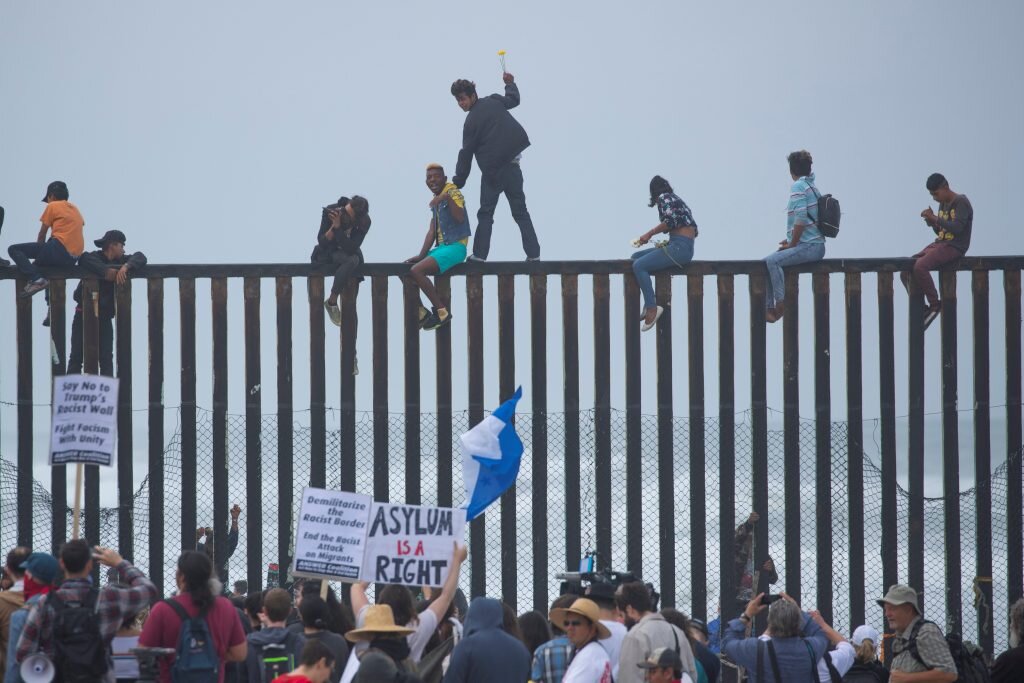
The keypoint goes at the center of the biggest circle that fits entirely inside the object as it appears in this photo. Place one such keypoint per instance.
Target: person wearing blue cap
(41, 570)
(12, 596)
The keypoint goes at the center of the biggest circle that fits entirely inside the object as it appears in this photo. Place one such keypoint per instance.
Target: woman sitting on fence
(678, 222)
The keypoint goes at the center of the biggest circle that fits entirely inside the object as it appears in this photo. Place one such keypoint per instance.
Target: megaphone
(37, 669)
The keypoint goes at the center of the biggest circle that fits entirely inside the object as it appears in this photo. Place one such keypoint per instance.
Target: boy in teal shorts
(444, 246)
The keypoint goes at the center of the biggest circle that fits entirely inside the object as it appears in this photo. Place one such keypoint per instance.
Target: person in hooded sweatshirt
(277, 604)
(486, 652)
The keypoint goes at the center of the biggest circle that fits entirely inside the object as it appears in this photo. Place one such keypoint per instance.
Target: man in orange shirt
(63, 220)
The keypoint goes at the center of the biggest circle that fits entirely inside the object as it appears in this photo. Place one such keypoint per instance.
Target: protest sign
(84, 426)
(411, 544)
(331, 534)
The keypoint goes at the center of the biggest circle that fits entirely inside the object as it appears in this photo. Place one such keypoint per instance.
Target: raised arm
(511, 97)
(440, 605)
(357, 595)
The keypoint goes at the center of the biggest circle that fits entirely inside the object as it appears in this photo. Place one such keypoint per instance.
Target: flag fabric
(491, 453)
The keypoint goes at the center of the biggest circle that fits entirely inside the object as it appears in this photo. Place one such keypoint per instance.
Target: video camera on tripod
(590, 581)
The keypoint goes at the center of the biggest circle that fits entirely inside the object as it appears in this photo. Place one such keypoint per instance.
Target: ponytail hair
(197, 572)
(866, 651)
(314, 613)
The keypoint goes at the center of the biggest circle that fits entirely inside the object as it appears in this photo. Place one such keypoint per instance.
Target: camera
(769, 598)
(604, 581)
(149, 662)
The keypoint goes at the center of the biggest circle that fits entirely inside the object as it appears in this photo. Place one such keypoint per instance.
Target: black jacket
(97, 264)
(486, 652)
(491, 134)
(348, 244)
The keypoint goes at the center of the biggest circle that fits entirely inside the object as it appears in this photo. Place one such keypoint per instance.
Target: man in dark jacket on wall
(486, 652)
(113, 267)
(497, 140)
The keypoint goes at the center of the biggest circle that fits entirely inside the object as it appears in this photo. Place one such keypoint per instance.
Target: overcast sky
(214, 132)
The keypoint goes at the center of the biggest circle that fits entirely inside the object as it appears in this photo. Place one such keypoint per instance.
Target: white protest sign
(84, 427)
(411, 544)
(331, 534)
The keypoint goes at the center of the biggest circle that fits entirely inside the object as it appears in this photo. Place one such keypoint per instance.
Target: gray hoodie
(486, 652)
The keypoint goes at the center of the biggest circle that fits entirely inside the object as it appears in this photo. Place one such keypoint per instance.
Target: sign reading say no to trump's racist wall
(349, 537)
(84, 426)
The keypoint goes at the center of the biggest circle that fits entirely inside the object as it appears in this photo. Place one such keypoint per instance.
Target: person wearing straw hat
(381, 632)
(582, 623)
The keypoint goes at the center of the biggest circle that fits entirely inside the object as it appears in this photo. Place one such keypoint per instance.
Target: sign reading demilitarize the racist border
(331, 534)
(84, 427)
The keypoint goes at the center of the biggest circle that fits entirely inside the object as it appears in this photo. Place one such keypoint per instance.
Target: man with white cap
(582, 623)
(920, 651)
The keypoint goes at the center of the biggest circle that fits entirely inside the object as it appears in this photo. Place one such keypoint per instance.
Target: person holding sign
(399, 601)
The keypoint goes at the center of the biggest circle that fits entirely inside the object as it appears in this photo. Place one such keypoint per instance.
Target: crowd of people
(497, 141)
(54, 607)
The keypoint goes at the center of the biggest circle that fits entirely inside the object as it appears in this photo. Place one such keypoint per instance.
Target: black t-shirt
(1009, 666)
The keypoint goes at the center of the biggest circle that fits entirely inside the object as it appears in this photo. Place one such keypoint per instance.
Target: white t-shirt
(613, 645)
(842, 659)
(417, 641)
(589, 665)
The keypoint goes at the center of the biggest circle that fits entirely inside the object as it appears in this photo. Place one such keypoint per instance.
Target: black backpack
(828, 213)
(277, 659)
(968, 657)
(862, 673)
(195, 658)
(80, 653)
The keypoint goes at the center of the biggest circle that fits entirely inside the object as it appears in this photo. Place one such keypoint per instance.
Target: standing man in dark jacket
(113, 267)
(497, 140)
(486, 652)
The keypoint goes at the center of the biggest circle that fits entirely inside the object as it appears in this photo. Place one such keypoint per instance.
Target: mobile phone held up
(769, 598)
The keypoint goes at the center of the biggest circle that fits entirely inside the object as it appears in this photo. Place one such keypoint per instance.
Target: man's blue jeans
(804, 252)
(49, 253)
(678, 252)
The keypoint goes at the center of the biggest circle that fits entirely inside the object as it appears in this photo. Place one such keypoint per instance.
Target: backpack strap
(183, 613)
(760, 660)
(817, 196)
(775, 663)
(912, 641)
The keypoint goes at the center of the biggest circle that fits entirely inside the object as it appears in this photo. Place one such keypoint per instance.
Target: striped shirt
(803, 202)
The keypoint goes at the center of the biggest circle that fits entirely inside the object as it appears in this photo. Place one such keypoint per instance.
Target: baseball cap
(864, 632)
(663, 658)
(110, 236)
(900, 594)
(43, 567)
(58, 188)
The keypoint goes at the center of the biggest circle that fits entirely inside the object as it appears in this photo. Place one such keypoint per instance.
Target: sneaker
(333, 312)
(931, 314)
(46, 320)
(474, 257)
(532, 258)
(4, 263)
(37, 285)
(434, 321)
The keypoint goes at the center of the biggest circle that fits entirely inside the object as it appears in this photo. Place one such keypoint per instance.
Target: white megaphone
(37, 669)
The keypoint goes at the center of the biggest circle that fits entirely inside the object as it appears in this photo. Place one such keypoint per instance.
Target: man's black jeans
(106, 350)
(507, 180)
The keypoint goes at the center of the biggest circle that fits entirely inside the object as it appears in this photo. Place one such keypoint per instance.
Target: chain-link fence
(934, 561)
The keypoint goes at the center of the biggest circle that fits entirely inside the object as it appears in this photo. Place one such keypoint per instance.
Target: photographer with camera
(648, 631)
(788, 650)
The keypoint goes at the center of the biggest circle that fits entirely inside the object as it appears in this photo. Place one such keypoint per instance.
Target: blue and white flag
(491, 452)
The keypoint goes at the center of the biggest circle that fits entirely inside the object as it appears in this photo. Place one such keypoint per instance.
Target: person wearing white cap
(918, 645)
(866, 667)
(582, 623)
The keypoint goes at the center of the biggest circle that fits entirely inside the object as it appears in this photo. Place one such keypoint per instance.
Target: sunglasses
(574, 623)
